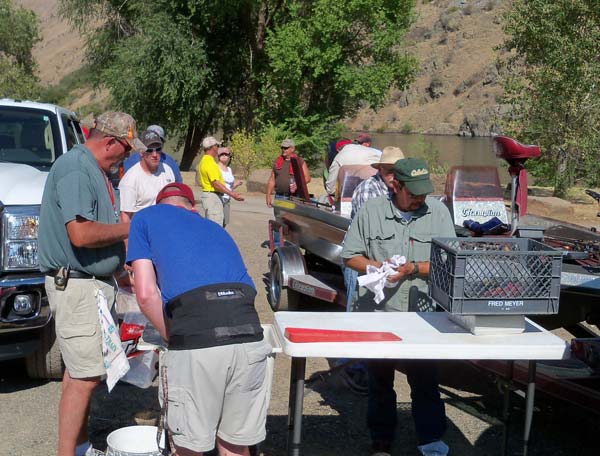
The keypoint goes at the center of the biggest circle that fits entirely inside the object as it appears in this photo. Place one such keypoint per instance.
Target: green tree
(554, 86)
(197, 66)
(19, 32)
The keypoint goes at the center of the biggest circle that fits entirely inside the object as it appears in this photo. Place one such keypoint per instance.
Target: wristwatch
(415, 270)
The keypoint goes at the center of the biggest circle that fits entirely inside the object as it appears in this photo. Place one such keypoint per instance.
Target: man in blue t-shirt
(216, 362)
(164, 157)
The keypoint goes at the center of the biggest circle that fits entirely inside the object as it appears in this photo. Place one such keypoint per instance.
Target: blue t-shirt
(188, 251)
(136, 158)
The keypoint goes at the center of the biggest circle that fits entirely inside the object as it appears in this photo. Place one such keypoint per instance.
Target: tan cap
(389, 156)
(288, 143)
(119, 125)
(210, 141)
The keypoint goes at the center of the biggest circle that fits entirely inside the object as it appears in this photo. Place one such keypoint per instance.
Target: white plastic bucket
(133, 441)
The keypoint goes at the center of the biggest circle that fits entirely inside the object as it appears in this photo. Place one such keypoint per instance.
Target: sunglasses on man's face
(125, 144)
(150, 150)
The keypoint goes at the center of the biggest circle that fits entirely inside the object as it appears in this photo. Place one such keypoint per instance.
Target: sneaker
(437, 448)
(381, 448)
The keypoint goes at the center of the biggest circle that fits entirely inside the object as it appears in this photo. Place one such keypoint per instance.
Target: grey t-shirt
(76, 187)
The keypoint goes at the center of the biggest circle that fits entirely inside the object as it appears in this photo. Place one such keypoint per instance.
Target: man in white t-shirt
(360, 153)
(142, 182)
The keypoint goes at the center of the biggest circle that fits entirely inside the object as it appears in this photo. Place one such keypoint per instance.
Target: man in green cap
(402, 224)
(80, 248)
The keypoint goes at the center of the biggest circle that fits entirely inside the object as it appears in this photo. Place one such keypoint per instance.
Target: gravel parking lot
(334, 416)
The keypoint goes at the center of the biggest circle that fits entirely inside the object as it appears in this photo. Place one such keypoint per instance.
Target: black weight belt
(213, 315)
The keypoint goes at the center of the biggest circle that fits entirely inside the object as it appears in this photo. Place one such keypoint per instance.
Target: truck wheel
(280, 297)
(46, 362)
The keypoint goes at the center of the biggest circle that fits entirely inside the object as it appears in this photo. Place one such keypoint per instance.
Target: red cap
(341, 143)
(176, 189)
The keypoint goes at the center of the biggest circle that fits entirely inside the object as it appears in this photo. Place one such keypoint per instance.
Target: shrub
(243, 147)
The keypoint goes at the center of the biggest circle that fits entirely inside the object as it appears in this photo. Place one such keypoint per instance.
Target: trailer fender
(291, 262)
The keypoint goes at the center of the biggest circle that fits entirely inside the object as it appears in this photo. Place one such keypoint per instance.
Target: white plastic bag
(115, 361)
(143, 368)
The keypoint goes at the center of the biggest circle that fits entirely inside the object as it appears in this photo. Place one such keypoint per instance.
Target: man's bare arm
(359, 263)
(148, 295)
(223, 189)
(270, 188)
(85, 233)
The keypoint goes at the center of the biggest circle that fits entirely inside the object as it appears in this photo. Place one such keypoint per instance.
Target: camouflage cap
(119, 125)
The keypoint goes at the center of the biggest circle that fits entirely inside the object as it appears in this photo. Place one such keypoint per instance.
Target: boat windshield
(473, 183)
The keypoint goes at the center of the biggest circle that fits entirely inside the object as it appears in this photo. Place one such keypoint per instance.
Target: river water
(450, 150)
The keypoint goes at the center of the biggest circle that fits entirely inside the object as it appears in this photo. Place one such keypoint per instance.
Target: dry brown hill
(455, 92)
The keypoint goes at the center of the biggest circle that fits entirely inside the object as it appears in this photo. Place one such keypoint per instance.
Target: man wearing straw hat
(216, 370)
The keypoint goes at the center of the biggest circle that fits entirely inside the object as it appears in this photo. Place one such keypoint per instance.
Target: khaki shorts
(213, 207)
(220, 391)
(77, 324)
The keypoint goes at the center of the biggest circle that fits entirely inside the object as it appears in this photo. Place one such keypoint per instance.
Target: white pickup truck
(32, 136)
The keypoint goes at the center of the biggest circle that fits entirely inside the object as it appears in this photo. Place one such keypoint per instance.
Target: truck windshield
(28, 136)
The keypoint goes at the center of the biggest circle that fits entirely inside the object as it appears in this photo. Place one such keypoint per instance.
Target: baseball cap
(389, 156)
(176, 189)
(151, 138)
(119, 125)
(210, 141)
(160, 131)
(414, 172)
(288, 143)
(363, 138)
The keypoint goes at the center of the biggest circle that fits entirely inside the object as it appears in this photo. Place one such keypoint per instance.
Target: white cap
(210, 141)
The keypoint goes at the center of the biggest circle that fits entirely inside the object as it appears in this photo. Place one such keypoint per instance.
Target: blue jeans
(350, 281)
(427, 407)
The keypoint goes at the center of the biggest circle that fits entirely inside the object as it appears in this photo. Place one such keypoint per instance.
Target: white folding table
(428, 335)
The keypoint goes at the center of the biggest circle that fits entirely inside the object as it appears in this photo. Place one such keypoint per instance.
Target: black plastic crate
(495, 276)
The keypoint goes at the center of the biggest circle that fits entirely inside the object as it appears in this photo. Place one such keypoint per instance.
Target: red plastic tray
(307, 335)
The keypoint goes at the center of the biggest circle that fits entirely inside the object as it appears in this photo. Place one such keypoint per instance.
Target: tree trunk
(196, 132)
(562, 180)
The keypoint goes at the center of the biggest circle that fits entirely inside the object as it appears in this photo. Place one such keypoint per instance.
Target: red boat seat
(510, 149)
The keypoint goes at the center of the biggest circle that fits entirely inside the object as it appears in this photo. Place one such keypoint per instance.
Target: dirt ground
(334, 417)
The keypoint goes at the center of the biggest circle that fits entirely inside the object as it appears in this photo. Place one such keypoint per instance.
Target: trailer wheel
(280, 296)
(46, 361)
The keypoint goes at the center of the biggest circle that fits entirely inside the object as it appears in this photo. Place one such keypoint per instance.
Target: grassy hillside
(455, 92)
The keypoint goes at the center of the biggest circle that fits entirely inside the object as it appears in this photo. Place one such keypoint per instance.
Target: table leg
(296, 402)
(507, 381)
(529, 405)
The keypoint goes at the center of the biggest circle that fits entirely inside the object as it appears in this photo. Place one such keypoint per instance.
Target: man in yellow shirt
(211, 179)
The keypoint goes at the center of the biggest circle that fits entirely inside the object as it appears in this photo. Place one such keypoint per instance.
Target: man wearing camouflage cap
(80, 248)
(402, 224)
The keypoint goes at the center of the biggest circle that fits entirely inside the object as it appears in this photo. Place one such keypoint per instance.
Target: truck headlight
(19, 233)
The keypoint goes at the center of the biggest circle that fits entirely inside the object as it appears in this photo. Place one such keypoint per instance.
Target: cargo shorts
(78, 329)
(213, 207)
(220, 391)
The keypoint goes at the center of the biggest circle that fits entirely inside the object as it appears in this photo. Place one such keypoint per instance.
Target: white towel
(115, 361)
(376, 278)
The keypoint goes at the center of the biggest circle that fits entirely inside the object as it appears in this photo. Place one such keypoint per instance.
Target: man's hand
(404, 272)
(237, 196)
(269, 200)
